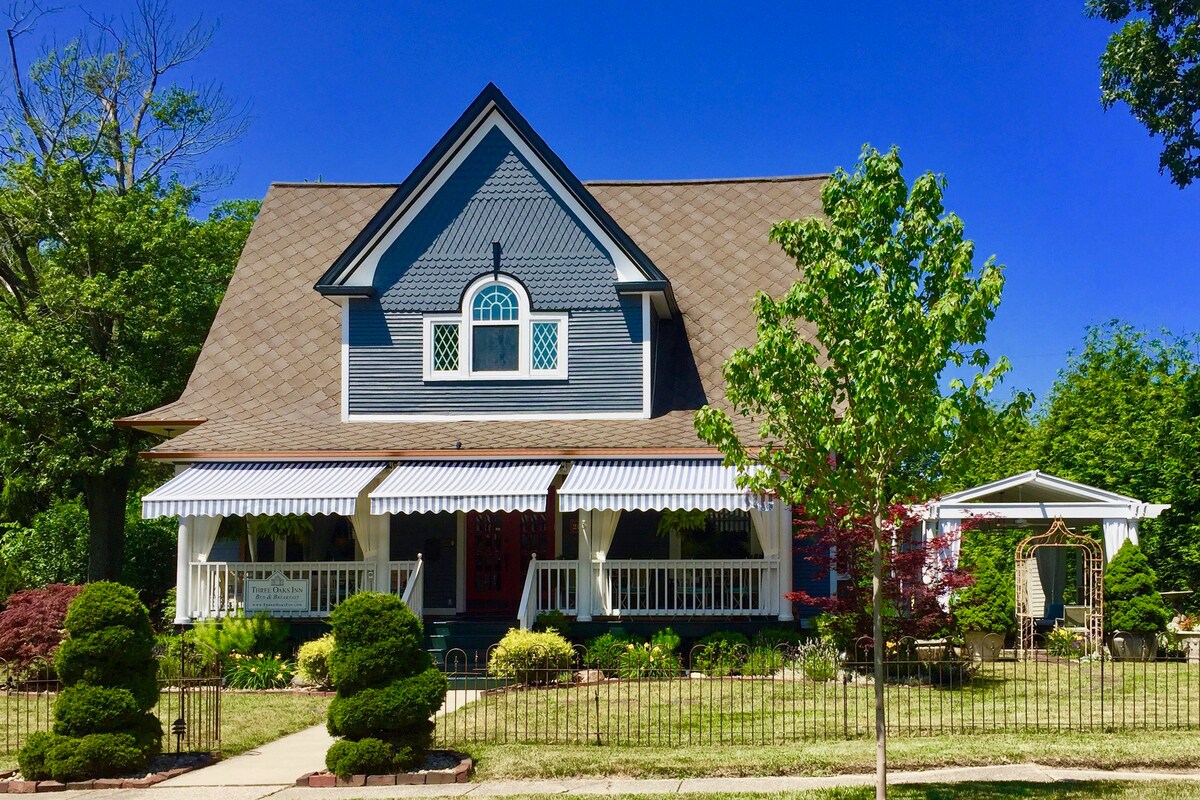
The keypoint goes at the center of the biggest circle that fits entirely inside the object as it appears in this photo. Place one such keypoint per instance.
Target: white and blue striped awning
(233, 488)
(415, 487)
(689, 485)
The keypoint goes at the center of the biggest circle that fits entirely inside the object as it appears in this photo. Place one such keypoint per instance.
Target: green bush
(383, 707)
(720, 654)
(778, 637)
(241, 634)
(987, 605)
(604, 652)
(31, 758)
(260, 671)
(390, 709)
(102, 724)
(555, 621)
(817, 660)
(97, 755)
(1064, 643)
(531, 658)
(312, 661)
(1131, 600)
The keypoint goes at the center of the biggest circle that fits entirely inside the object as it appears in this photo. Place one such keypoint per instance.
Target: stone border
(38, 787)
(460, 774)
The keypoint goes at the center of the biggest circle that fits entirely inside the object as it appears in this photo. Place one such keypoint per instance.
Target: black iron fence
(189, 702)
(634, 695)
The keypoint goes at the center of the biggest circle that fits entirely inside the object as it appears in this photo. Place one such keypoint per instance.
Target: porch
(499, 540)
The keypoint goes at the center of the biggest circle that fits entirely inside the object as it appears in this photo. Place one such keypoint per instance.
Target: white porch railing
(414, 590)
(218, 588)
(655, 588)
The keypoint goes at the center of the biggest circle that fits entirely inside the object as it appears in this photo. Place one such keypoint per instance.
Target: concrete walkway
(1031, 773)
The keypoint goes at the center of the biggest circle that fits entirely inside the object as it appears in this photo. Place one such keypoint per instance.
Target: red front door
(499, 546)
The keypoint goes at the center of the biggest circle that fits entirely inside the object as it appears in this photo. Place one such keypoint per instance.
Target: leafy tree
(1152, 64)
(850, 361)
(1131, 599)
(107, 282)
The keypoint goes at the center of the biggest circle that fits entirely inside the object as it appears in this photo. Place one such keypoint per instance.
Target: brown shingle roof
(267, 379)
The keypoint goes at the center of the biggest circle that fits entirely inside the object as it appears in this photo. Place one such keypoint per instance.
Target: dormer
(492, 285)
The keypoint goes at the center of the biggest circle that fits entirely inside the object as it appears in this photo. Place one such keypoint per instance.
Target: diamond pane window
(495, 303)
(445, 348)
(545, 345)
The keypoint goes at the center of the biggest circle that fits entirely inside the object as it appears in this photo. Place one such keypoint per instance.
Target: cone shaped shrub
(387, 687)
(1131, 600)
(988, 605)
(102, 721)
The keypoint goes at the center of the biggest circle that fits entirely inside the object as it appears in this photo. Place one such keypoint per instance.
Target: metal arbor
(1092, 575)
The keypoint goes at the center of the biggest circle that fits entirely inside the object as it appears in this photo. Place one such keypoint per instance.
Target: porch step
(471, 636)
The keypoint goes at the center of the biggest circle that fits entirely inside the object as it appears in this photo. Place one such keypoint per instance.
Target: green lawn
(1148, 750)
(247, 720)
(1015, 696)
(1084, 790)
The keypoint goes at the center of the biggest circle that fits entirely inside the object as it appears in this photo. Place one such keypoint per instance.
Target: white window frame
(466, 338)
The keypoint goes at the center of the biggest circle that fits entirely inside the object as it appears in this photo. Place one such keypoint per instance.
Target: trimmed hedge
(102, 721)
(387, 687)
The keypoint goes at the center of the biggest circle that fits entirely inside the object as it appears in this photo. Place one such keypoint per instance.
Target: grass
(1070, 790)
(1131, 750)
(1049, 697)
(248, 720)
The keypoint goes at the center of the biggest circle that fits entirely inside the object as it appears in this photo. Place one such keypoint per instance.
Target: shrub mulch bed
(164, 766)
(441, 766)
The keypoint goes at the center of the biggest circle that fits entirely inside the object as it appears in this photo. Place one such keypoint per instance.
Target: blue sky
(1002, 98)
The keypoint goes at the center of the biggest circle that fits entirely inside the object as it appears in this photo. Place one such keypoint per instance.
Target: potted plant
(1134, 611)
(1185, 629)
(985, 611)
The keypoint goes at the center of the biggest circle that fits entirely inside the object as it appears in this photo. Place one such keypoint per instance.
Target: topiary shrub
(102, 721)
(1131, 599)
(530, 657)
(31, 624)
(387, 687)
(988, 605)
(312, 661)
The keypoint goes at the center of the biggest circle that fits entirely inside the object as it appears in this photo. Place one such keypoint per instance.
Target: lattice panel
(545, 345)
(445, 348)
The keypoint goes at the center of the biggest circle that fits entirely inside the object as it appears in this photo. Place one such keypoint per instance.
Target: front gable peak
(491, 130)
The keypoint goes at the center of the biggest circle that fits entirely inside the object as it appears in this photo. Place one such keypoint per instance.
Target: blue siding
(604, 366)
(495, 196)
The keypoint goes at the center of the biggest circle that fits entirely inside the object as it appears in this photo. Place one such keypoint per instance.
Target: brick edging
(325, 780)
(38, 787)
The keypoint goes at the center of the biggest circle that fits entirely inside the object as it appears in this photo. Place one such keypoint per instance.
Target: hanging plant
(296, 527)
(678, 521)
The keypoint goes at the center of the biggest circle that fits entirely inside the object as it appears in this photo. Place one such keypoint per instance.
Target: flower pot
(983, 646)
(931, 650)
(1133, 646)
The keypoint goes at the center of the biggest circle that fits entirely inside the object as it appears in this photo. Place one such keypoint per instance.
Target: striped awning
(227, 489)
(689, 485)
(414, 487)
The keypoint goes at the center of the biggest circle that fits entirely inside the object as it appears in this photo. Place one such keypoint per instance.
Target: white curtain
(204, 535)
(604, 527)
(1116, 531)
(952, 530)
(365, 529)
(766, 527)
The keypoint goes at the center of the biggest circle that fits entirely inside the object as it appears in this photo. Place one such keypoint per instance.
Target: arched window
(496, 336)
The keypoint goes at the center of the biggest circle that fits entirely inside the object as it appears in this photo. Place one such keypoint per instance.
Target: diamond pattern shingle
(267, 379)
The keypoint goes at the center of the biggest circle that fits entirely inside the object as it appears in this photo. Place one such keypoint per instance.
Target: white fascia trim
(1038, 478)
(512, 417)
(362, 273)
(345, 356)
(1068, 510)
(647, 376)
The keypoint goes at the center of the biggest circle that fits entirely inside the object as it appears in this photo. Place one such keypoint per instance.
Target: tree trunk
(877, 649)
(106, 496)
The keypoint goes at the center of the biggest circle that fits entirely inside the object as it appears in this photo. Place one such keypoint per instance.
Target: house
(477, 387)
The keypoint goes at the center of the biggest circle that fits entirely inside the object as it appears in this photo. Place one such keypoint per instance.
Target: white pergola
(1032, 501)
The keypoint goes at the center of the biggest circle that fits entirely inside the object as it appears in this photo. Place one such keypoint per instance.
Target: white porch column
(1116, 532)
(584, 586)
(183, 572)
(383, 552)
(786, 546)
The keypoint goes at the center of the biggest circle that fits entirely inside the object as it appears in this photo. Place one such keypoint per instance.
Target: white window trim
(524, 322)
